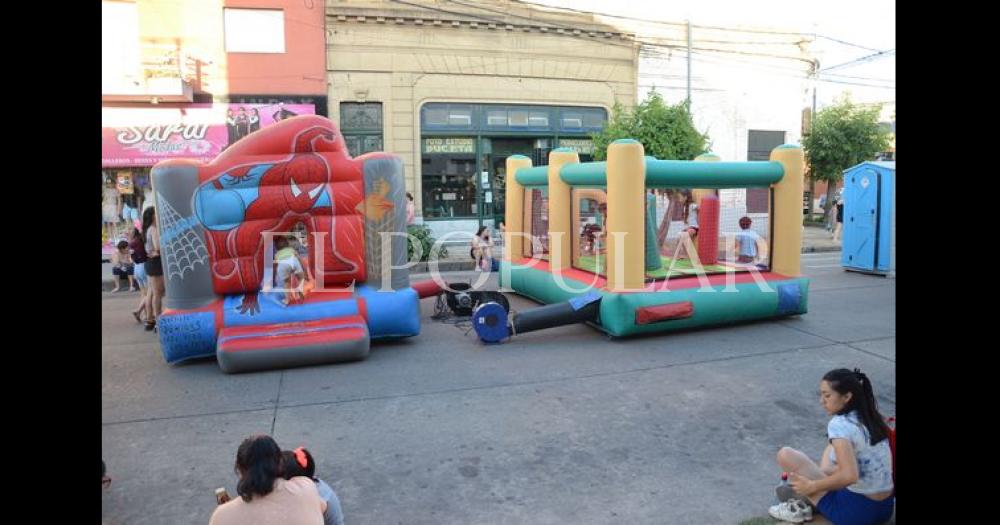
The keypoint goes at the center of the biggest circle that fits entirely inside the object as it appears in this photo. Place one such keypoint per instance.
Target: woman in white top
(853, 484)
(481, 249)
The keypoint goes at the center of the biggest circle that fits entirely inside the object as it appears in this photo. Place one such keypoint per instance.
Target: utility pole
(689, 65)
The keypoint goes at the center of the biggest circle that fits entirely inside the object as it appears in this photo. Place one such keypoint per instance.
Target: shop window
(361, 124)
(460, 117)
(594, 119)
(496, 118)
(538, 119)
(449, 186)
(436, 117)
(519, 118)
(572, 120)
(254, 30)
(447, 116)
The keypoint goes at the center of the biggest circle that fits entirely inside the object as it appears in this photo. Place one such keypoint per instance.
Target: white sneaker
(793, 511)
(478, 269)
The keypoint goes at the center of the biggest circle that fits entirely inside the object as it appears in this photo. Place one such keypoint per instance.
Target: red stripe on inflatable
(708, 231)
(663, 312)
(266, 342)
(265, 330)
(219, 316)
(363, 308)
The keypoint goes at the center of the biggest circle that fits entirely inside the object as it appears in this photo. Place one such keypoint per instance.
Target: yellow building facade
(454, 89)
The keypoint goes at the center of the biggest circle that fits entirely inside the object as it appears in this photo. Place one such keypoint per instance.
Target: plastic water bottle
(784, 490)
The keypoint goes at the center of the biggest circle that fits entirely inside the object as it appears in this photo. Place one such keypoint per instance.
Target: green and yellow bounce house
(582, 238)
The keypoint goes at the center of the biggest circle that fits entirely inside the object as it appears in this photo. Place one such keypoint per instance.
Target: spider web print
(185, 247)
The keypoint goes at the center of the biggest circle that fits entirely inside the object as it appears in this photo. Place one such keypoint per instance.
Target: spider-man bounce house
(217, 223)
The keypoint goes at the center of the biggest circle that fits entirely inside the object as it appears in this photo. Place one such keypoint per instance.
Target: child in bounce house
(750, 246)
(288, 273)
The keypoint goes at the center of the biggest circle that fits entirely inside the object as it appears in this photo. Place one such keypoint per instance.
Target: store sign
(145, 136)
(450, 145)
(581, 146)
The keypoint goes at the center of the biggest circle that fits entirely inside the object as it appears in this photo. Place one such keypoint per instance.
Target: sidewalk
(814, 239)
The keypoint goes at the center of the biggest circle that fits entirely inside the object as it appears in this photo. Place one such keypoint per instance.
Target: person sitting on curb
(121, 266)
(266, 498)
(852, 485)
(300, 462)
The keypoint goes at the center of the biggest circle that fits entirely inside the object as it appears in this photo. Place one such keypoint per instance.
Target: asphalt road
(557, 426)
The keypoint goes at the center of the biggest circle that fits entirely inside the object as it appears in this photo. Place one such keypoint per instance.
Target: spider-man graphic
(241, 203)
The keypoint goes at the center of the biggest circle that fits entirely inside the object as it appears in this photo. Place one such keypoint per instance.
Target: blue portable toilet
(870, 218)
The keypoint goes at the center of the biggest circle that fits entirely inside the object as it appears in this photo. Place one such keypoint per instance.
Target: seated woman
(265, 497)
(122, 266)
(852, 485)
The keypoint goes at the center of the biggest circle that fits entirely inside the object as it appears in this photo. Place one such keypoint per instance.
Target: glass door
(493, 174)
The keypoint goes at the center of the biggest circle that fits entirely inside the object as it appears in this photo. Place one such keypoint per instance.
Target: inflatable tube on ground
(582, 309)
(251, 348)
(428, 288)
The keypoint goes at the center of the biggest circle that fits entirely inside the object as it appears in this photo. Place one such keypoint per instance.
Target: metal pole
(689, 64)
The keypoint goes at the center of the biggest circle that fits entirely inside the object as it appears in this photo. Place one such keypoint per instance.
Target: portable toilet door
(861, 212)
(868, 217)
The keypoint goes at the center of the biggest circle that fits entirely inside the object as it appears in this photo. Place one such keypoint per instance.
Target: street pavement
(556, 426)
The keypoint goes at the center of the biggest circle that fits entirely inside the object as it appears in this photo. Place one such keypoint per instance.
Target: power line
(846, 43)
(862, 59)
(723, 28)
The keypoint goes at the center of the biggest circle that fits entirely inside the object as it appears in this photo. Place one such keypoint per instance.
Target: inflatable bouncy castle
(590, 241)
(294, 185)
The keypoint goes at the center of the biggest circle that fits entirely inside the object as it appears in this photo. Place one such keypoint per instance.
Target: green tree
(665, 131)
(842, 135)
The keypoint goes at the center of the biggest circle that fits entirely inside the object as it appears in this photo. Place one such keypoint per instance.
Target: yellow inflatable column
(514, 213)
(626, 194)
(707, 157)
(560, 220)
(787, 242)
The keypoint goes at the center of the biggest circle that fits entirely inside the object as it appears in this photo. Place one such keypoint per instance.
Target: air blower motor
(462, 299)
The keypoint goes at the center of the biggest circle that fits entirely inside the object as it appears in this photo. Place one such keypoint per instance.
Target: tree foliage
(843, 135)
(665, 131)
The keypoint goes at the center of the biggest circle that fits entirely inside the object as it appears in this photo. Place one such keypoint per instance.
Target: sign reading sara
(450, 145)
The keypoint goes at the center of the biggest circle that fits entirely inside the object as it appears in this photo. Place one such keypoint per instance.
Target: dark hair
(148, 219)
(479, 232)
(280, 242)
(290, 466)
(258, 462)
(862, 399)
(745, 222)
(122, 244)
(409, 196)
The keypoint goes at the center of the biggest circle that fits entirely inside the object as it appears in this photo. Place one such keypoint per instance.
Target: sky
(867, 23)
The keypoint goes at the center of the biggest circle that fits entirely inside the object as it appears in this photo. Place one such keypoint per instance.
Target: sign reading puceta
(145, 136)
